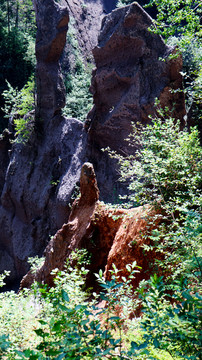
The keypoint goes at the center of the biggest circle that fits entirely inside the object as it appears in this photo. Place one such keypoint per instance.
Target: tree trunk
(17, 15)
(8, 15)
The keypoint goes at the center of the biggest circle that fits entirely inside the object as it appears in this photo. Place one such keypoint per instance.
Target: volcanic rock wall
(39, 177)
(132, 70)
(50, 42)
(86, 19)
(41, 174)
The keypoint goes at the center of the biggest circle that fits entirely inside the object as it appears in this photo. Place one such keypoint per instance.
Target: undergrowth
(62, 323)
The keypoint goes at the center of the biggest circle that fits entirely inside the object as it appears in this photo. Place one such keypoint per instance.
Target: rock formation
(50, 42)
(41, 174)
(38, 177)
(132, 69)
(86, 19)
(111, 236)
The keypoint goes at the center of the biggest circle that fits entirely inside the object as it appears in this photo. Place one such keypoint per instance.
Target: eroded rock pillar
(52, 24)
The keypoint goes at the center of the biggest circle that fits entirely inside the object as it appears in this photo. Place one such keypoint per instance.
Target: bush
(79, 100)
(63, 322)
(17, 105)
(165, 172)
(166, 166)
(176, 327)
(77, 80)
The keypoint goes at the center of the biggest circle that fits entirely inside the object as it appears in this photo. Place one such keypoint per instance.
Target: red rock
(112, 236)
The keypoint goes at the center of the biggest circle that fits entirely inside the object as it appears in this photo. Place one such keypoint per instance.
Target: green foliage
(173, 18)
(165, 172)
(176, 327)
(69, 326)
(35, 263)
(79, 99)
(17, 314)
(17, 60)
(2, 277)
(17, 105)
(166, 167)
(180, 17)
(62, 323)
(77, 81)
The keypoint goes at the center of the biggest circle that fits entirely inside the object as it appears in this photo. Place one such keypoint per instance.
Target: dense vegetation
(17, 39)
(65, 322)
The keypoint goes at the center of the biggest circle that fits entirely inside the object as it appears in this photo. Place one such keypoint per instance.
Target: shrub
(165, 171)
(77, 80)
(17, 105)
(176, 327)
(79, 99)
(166, 166)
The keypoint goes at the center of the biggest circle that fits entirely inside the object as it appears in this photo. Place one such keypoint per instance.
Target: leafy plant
(63, 323)
(17, 60)
(70, 326)
(17, 105)
(166, 166)
(35, 262)
(2, 277)
(165, 172)
(77, 80)
(79, 99)
(176, 327)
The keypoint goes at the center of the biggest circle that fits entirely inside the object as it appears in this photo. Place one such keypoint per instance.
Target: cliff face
(132, 70)
(50, 42)
(86, 19)
(39, 177)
